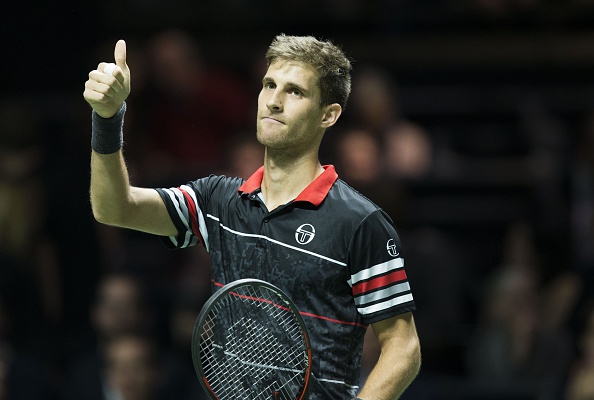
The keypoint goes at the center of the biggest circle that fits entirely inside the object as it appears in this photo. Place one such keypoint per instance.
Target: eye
(269, 85)
(295, 92)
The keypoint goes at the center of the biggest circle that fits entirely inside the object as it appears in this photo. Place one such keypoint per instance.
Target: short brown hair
(332, 64)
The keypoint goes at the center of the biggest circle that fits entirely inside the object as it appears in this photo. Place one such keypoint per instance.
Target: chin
(268, 139)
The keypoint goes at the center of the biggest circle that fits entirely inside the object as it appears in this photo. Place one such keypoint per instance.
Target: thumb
(120, 55)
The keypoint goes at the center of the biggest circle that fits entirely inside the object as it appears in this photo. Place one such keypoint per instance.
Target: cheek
(311, 117)
(261, 100)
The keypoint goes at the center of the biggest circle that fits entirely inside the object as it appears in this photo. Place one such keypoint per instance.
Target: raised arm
(399, 361)
(113, 200)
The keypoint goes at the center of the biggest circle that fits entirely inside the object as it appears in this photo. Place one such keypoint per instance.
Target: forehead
(297, 72)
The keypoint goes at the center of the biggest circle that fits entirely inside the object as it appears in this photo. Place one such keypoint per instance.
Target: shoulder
(218, 181)
(351, 201)
(202, 191)
(355, 215)
(215, 184)
(367, 221)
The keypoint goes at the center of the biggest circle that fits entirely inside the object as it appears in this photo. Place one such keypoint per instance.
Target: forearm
(398, 363)
(394, 371)
(113, 200)
(110, 187)
(392, 374)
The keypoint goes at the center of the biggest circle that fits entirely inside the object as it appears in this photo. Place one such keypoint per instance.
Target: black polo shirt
(331, 249)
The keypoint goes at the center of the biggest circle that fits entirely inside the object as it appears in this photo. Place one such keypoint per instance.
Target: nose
(274, 102)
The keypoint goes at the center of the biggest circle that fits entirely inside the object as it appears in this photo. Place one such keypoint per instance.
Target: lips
(271, 119)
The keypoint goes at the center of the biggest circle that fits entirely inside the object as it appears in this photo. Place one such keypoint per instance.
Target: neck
(284, 179)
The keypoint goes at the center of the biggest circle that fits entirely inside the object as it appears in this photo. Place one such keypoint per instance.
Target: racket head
(250, 342)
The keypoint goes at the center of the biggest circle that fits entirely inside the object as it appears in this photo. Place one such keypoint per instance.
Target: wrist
(107, 134)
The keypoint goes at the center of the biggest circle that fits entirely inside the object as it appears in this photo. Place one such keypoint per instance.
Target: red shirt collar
(314, 193)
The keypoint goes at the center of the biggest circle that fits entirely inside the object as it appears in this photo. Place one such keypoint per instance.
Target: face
(289, 113)
(118, 309)
(360, 155)
(130, 368)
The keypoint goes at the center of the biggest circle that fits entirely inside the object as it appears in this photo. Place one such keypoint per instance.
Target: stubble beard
(270, 138)
(277, 146)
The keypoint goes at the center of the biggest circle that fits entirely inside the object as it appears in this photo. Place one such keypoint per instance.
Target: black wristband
(107, 134)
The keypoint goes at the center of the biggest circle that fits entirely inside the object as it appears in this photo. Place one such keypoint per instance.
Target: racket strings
(253, 347)
(240, 365)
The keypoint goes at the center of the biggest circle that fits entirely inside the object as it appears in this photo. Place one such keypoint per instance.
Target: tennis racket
(250, 343)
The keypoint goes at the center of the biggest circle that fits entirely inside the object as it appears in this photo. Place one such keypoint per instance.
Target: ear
(331, 115)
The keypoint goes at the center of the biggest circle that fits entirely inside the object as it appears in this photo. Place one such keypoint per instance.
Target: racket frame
(229, 289)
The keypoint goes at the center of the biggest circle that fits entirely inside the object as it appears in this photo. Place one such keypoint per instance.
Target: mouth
(272, 120)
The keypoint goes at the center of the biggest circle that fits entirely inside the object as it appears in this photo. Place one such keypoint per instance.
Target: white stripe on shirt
(386, 304)
(274, 241)
(378, 269)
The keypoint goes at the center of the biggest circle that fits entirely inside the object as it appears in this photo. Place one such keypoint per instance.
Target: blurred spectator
(409, 152)
(501, 350)
(360, 163)
(374, 102)
(133, 369)
(402, 155)
(194, 108)
(359, 154)
(21, 159)
(580, 384)
(28, 263)
(182, 381)
(119, 309)
(244, 155)
(582, 201)
(519, 344)
(22, 376)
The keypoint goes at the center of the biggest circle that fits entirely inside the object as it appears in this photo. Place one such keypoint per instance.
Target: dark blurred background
(471, 123)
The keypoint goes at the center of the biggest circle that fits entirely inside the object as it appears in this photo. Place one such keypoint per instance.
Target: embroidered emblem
(305, 234)
(391, 247)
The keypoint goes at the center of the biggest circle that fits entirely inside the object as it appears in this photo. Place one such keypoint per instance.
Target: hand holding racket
(250, 343)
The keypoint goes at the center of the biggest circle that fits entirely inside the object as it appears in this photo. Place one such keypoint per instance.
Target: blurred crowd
(496, 220)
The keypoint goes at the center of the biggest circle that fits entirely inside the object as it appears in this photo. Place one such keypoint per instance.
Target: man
(133, 368)
(292, 223)
(118, 310)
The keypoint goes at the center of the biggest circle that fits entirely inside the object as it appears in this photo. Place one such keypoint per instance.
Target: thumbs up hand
(108, 86)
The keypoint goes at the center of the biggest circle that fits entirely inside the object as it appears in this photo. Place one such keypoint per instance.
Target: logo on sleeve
(391, 247)
(305, 234)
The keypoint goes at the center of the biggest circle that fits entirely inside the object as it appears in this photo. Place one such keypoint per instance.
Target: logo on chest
(305, 234)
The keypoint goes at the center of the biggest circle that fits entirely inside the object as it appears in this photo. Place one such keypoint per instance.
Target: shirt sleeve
(378, 280)
(183, 208)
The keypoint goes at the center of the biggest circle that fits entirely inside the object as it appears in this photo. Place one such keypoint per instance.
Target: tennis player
(293, 223)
